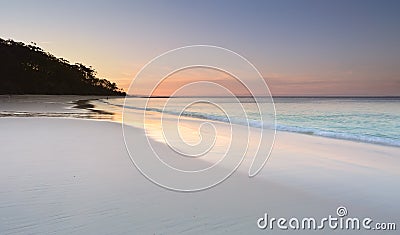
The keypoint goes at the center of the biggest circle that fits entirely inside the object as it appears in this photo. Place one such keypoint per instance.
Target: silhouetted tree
(27, 69)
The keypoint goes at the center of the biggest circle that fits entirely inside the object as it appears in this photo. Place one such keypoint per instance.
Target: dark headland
(28, 69)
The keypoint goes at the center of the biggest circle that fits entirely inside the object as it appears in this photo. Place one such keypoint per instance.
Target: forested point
(27, 69)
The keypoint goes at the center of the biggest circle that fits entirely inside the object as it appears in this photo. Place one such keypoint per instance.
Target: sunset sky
(300, 47)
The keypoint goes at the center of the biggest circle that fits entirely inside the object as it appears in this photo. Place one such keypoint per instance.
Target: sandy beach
(73, 176)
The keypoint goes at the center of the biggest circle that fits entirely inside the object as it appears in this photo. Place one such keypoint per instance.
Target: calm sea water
(371, 120)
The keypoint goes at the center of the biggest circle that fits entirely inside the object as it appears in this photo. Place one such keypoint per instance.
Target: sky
(331, 48)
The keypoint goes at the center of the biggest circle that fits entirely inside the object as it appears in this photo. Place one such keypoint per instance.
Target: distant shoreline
(163, 97)
(321, 97)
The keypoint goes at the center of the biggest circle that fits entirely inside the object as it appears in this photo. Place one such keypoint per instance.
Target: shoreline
(328, 134)
(87, 104)
(88, 107)
(51, 106)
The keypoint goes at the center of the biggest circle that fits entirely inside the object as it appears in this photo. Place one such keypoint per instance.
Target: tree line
(27, 69)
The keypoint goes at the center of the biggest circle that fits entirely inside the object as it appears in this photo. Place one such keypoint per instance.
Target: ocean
(370, 120)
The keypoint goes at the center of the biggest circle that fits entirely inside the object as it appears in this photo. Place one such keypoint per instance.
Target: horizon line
(278, 96)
